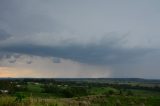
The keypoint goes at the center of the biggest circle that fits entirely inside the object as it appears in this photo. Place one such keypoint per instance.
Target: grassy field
(113, 100)
(77, 94)
(36, 88)
(102, 90)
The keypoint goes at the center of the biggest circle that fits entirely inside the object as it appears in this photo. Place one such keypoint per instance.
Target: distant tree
(129, 93)
(19, 97)
(109, 92)
(67, 93)
(7, 85)
(120, 92)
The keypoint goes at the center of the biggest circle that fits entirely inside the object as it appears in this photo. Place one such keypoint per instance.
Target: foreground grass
(29, 101)
(101, 100)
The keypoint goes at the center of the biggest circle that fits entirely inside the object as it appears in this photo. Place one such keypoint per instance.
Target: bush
(110, 92)
(129, 93)
(19, 97)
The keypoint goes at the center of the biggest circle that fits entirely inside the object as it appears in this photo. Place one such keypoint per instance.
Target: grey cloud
(12, 61)
(4, 35)
(5, 55)
(100, 54)
(29, 62)
(56, 60)
(9, 56)
(23, 17)
(72, 29)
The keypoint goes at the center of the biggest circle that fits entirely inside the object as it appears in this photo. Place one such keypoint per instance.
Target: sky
(80, 38)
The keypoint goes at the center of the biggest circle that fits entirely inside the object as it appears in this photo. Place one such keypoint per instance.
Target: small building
(18, 86)
(36, 83)
(4, 91)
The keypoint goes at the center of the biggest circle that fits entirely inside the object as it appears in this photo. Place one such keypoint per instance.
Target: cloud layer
(119, 38)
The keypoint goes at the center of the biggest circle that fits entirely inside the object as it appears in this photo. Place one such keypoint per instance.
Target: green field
(77, 93)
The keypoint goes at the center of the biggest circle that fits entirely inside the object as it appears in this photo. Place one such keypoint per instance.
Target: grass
(29, 101)
(35, 97)
(36, 88)
(101, 90)
(114, 100)
(146, 93)
(6, 100)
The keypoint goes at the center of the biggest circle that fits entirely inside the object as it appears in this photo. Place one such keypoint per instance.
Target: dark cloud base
(91, 54)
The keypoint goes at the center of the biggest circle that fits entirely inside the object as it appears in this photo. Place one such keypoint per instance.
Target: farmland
(79, 92)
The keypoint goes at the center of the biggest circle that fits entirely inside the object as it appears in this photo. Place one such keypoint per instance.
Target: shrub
(19, 97)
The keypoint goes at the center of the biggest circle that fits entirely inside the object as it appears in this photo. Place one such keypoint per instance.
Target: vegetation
(78, 92)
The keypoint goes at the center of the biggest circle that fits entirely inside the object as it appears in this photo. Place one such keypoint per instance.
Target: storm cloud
(4, 35)
(100, 54)
(120, 38)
